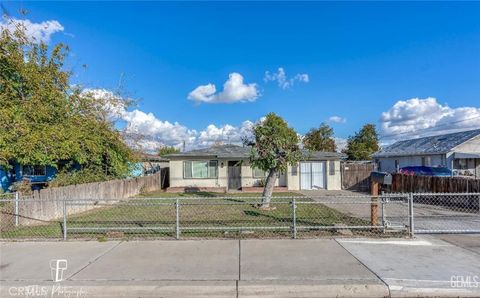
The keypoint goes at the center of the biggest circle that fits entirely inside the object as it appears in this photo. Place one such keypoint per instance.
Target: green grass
(204, 194)
(141, 218)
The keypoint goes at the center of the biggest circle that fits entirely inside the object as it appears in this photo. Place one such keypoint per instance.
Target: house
(459, 152)
(149, 164)
(227, 168)
(35, 174)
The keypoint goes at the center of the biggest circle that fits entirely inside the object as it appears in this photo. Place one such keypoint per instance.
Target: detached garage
(318, 170)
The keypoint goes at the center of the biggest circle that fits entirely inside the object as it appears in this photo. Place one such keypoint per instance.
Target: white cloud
(337, 119)
(204, 93)
(283, 81)
(341, 143)
(156, 133)
(223, 134)
(234, 90)
(109, 105)
(146, 132)
(421, 117)
(35, 32)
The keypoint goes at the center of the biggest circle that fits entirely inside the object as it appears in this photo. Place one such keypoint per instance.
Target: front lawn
(205, 194)
(209, 215)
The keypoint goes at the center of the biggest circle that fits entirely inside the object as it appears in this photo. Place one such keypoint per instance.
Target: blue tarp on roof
(427, 171)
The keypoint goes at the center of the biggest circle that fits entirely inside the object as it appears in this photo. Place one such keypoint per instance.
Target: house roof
(153, 158)
(438, 144)
(234, 151)
(222, 151)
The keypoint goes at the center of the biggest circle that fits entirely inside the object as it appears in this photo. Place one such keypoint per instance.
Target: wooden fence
(47, 204)
(356, 176)
(408, 183)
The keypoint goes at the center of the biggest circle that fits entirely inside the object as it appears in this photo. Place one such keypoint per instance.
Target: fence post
(382, 201)
(177, 219)
(374, 204)
(411, 221)
(16, 208)
(64, 219)
(294, 219)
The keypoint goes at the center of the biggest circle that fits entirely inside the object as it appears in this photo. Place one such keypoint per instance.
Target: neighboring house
(459, 152)
(36, 175)
(227, 167)
(150, 164)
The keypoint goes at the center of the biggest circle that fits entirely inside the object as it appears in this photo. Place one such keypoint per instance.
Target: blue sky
(417, 63)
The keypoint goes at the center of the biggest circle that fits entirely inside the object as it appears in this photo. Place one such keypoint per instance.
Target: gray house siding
(470, 146)
(459, 152)
(471, 165)
(387, 164)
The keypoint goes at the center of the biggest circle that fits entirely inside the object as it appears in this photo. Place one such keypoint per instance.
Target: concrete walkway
(242, 268)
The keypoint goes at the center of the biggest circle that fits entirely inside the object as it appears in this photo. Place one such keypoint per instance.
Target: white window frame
(209, 162)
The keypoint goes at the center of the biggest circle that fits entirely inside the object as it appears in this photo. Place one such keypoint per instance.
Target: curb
(334, 288)
(277, 288)
(399, 291)
(97, 289)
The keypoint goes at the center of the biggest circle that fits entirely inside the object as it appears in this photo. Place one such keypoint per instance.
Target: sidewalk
(242, 268)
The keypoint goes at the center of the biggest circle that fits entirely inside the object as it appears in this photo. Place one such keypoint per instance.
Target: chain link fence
(217, 217)
(384, 215)
(446, 212)
(9, 215)
(239, 217)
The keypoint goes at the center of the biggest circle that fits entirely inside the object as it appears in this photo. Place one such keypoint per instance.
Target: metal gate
(443, 213)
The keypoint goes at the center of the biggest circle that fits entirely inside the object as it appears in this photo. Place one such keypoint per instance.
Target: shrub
(64, 178)
(23, 187)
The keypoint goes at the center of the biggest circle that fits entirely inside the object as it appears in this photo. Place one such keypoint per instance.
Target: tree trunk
(268, 190)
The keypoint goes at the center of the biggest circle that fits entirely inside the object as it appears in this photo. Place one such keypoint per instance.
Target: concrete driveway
(426, 217)
(467, 241)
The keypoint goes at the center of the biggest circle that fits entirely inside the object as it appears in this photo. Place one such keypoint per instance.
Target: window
(331, 167)
(257, 173)
(426, 161)
(294, 170)
(34, 170)
(200, 169)
(460, 164)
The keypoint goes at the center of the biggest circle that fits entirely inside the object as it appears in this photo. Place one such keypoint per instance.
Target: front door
(234, 175)
(312, 175)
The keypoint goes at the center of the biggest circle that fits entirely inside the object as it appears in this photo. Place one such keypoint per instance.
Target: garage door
(312, 175)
